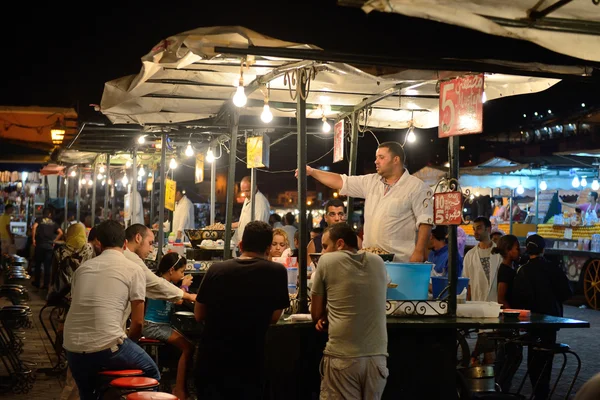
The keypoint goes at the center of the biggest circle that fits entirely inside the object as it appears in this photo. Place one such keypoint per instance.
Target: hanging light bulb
(210, 157)
(483, 97)
(101, 169)
(125, 180)
(141, 171)
(100, 176)
(109, 181)
(173, 163)
(189, 151)
(73, 173)
(411, 137)
(520, 189)
(583, 182)
(543, 185)
(128, 164)
(139, 178)
(82, 181)
(142, 139)
(103, 182)
(267, 115)
(239, 98)
(90, 182)
(326, 126)
(575, 182)
(595, 184)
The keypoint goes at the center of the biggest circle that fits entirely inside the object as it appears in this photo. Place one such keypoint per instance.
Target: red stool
(151, 396)
(133, 384)
(122, 373)
(151, 346)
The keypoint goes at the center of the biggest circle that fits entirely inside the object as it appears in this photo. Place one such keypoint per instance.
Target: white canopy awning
(572, 29)
(183, 79)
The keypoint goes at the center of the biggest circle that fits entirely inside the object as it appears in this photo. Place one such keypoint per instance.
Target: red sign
(461, 106)
(447, 208)
(338, 141)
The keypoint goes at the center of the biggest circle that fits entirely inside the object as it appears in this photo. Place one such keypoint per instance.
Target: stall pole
(234, 119)
(253, 191)
(453, 153)
(302, 226)
(78, 199)
(94, 193)
(161, 200)
(510, 207)
(152, 205)
(66, 197)
(537, 198)
(134, 188)
(106, 188)
(352, 163)
(213, 190)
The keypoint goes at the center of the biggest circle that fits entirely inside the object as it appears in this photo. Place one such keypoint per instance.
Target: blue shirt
(440, 259)
(158, 311)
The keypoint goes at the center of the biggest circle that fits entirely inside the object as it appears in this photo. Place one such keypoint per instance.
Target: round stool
(151, 396)
(122, 373)
(151, 347)
(134, 383)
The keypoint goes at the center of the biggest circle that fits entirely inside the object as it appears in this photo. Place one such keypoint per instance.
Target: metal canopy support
(94, 180)
(133, 195)
(213, 190)
(453, 153)
(152, 202)
(234, 121)
(253, 191)
(301, 93)
(537, 199)
(107, 187)
(510, 207)
(78, 198)
(66, 197)
(161, 201)
(352, 161)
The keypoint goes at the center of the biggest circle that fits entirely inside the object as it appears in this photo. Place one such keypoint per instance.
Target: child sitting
(157, 319)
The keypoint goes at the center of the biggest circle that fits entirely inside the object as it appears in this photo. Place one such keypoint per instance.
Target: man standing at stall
(183, 216)
(348, 300)
(397, 204)
(262, 208)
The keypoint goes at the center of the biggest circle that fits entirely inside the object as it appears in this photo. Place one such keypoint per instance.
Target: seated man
(438, 244)
(101, 289)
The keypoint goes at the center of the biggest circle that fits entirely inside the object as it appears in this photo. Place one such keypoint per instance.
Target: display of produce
(551, 231)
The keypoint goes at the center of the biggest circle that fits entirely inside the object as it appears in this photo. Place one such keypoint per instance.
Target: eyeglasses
(340, 214)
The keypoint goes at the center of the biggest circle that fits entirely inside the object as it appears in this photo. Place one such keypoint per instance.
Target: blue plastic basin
(438, 283)
(412, 280)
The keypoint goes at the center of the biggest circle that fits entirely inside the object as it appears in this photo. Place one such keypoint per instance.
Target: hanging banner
(199, 175)
(257, 151)
(338, 141)
(461, 106)
(447, 208)
(170, 189)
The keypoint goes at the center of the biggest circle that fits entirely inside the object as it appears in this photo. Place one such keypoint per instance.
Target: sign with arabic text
(447, 208)
(338, 141)
(461, 106)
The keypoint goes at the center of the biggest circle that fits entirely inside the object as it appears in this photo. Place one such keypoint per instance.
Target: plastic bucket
(412, 280)
(438, 283)
(292, 274)
(292, 289)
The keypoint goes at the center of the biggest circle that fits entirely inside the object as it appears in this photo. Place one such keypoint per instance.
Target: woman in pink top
(591, 206)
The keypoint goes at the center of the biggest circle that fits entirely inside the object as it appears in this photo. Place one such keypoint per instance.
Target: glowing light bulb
(326, 126)
(575, 182)
(139, 178)
(101, 169)
(520, 189)
(210, 157)
(483, 97)
(73, 173)
(267, 115)
(411, 138)
(142, 139)
(100, 176)
(90, 182)
(82, 181)
(103, 182)
(595, 184)
(189, 151)
(128, 164)
(173, 163)
(109, 181)
(125, 180)
(583, 182)
(141, 171)
(543, 185)
(239, 98)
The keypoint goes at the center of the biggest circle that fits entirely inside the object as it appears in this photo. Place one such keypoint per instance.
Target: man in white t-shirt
(397, 204)
(261, 209)
(183, 216)
(480, 265)
(348, 299)
(102, 289)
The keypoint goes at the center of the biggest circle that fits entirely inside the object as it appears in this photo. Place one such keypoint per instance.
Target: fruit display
(551, 231)
(469, 228)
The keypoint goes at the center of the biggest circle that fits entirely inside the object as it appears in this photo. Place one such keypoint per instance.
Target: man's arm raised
(329, 179)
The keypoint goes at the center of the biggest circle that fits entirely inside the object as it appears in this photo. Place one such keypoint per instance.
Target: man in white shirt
(397, 204)
(102, 289)
(139, 244)
(289, 228)
(261, 208)
(183, 216)
(348, 299)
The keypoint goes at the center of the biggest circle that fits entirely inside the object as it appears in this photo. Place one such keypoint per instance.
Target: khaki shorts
(353, 378)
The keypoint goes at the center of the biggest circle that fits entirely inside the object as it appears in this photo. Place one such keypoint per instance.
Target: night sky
(59, 55)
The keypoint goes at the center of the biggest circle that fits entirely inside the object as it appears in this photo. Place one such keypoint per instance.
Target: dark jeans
(43, 257)
(85, 367)
(536, 360)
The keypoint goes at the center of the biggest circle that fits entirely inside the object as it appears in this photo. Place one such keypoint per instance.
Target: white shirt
(482, 288)
(156, 287)
(262, 212)
(102, 289)
(391, 220)
(183, 216)
(137, 213)
(291, 231)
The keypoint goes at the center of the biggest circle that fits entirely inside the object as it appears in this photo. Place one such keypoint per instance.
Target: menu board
(447, 208)
(170, 190)
(461, 106)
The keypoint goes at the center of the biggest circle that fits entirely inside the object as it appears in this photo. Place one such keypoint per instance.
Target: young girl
(157, 320)
(508, 247)
(280, 244)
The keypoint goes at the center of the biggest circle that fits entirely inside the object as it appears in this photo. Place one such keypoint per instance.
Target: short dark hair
(333, 203)
(594, 195)
(535, 245)
(440, 232)
(110, 234)
(46, 212)
(257, 237)
(505, 244)
(499, 198)
(171, 260)
(343, 231)
(485, 221)
(317, 230)
(9, 207)
(135, 229)
(289, 218)
(395, 148)
(276, 217)
(496, 233)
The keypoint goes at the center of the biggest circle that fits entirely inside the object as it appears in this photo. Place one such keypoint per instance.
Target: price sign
(170, 190)
(461, 106)
(447, 208)
(338, 141)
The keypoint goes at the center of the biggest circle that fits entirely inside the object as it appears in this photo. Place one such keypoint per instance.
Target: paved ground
(586, 342)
